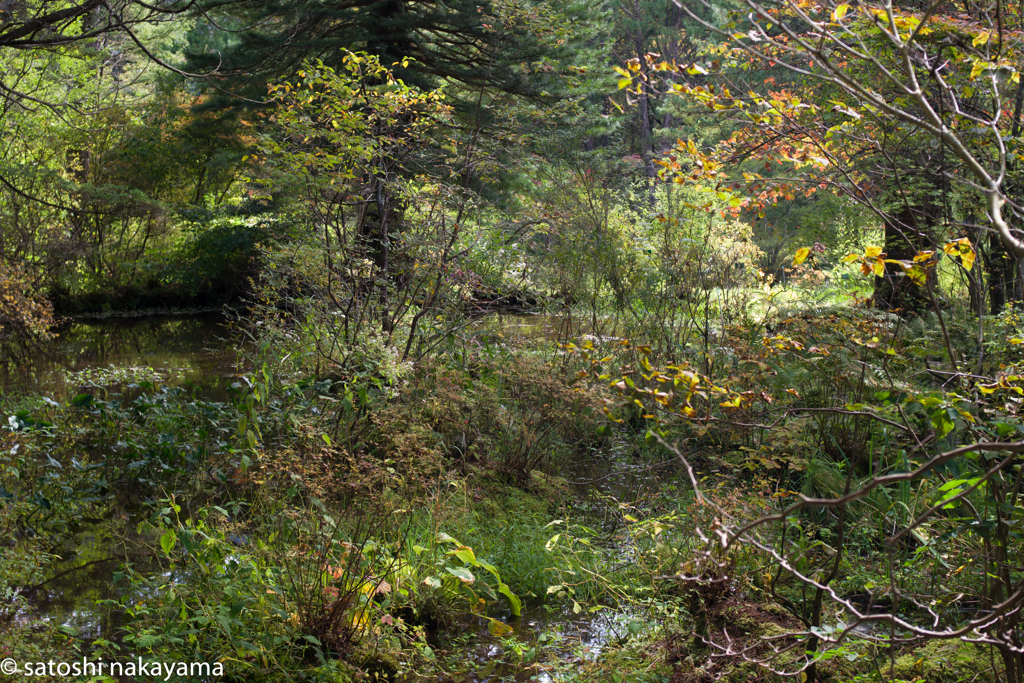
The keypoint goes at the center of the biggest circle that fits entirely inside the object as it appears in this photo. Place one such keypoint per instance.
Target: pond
(84, 576)
(193, 350)
(188, 350)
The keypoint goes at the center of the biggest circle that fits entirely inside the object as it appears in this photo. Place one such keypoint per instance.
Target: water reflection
(548, 640)
(75, 584)
(174, 350)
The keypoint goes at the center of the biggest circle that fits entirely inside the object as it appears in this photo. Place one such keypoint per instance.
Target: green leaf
(145, 641)
(954, 484)
(461, 573)
(168, 540)
(465, 553)
(82, 400)
(513, 599)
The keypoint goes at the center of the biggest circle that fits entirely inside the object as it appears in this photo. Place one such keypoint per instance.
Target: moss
(550, 489)
(944, 661)
(544, 495)
(748, 625)
(744, 672)
(776, 610)
(331, 673)
(756, 620)
(380, 666)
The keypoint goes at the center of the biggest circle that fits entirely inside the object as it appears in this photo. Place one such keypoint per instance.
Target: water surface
(192, 350)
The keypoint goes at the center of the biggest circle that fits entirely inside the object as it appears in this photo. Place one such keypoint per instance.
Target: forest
(655, 341)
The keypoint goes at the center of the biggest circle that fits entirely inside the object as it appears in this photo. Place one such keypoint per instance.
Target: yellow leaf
(840, 12)
(878, 267)
(923, 256)
(872, 252)
(801, 255)
(967, 260)
(625, 83)
(979, 66)
(963, 248)
(850, 258)
(980, 39)
(497, 628)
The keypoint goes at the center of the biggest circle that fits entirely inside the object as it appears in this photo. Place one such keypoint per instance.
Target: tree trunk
(906, 234)
(644, 109)
(1002, 276)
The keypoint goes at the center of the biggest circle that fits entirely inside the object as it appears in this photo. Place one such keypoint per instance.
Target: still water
(201, 351)
(194, 350)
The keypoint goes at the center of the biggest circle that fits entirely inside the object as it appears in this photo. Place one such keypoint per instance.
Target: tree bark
(644, 109)
(906, 234)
